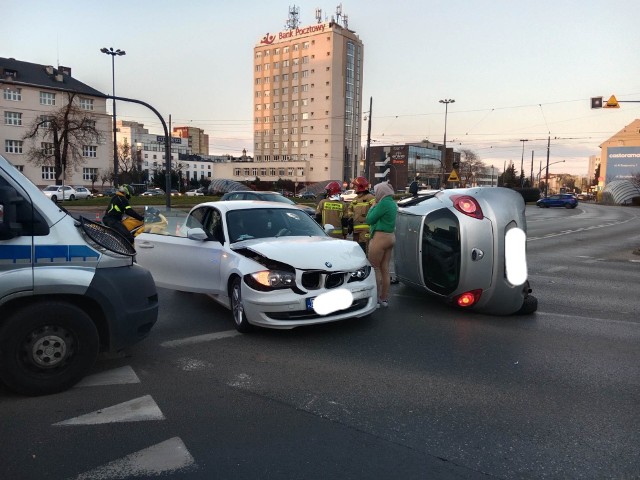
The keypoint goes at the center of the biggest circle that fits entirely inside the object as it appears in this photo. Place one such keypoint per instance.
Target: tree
(594, 182)
(63, 138)
(508, 178)
(470, 166)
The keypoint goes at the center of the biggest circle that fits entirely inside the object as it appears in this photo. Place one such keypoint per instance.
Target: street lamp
(546, 184)
(113, 53)
(444, 155)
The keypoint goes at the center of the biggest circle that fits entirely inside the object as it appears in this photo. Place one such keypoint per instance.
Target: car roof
(229, 205)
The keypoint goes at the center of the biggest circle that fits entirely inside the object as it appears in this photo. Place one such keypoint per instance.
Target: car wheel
(72, 197)
(54, 198)
(529, 305)
(237, 309)
(568, 205)
(47, 347)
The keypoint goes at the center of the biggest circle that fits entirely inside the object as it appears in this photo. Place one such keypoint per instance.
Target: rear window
(441, 251)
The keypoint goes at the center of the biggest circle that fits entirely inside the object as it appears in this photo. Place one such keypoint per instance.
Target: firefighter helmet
(361, 184)
(126, 189)
(333, 188)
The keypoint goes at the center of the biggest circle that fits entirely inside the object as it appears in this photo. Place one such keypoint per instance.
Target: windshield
(51, 188)
(270, 222)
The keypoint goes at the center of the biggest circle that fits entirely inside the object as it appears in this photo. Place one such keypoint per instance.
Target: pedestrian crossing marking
(166, 457)
(136, 410)
(115, 376)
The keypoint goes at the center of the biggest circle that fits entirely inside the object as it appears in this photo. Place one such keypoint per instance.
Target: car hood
(328, 253)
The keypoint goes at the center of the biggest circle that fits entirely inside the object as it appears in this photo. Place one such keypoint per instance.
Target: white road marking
(116, 376)
(136, 410)
(192, 364)
(181, 342)
(568, 232)
(169, 456)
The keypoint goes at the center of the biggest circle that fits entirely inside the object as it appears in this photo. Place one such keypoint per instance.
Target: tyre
(568, 205)
(54, 198)
(529, 305)
(72, 197)
(47, 347)
(239, 318)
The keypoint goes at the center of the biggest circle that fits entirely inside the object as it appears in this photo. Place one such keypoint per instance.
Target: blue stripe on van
(51, 253)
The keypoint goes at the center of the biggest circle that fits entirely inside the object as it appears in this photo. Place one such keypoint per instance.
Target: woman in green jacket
(382, 223)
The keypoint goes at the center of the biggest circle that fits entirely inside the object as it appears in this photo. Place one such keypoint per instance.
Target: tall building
(34, 93)
(307, 92)
(198, 140)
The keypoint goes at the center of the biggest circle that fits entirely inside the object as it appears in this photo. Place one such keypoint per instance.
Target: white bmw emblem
(328, 264)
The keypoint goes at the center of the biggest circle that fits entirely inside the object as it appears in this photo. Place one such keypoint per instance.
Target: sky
(517, 70)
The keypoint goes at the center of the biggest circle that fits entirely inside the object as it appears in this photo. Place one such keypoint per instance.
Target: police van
(69, 289)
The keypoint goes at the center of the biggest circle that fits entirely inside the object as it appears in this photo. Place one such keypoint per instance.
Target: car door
(186, 264)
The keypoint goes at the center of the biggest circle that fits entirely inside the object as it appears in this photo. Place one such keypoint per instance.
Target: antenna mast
(294, 18)
(319, 15)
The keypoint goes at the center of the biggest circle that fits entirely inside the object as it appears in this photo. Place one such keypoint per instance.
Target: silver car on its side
(467, 247)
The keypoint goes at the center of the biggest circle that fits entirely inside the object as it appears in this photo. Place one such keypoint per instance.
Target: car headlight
(267, 280)
(360, 274)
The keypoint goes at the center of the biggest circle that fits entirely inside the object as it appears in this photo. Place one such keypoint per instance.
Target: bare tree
(58, 139)
(106, 176)
(470, 166)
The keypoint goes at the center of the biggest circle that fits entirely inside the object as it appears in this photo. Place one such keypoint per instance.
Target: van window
(31, 221)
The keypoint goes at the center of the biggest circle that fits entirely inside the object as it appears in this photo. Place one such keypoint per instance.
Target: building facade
(198, 141)
(35, 93)
(307, 91)
(620, 155)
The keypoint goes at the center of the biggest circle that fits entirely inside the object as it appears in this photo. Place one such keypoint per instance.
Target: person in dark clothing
(119, 206)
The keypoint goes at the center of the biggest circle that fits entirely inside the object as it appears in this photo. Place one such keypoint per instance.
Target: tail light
(467, 205)
(468, 299)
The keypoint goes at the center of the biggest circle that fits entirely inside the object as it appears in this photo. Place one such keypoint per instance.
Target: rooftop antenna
(345, 21)
(294, 18)
(338, 13)
(319, 15)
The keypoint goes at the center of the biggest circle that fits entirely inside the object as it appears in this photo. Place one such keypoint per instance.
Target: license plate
(310, 303)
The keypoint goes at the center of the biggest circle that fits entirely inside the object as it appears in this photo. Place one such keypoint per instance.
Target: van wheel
(239, 318)
(47, 347)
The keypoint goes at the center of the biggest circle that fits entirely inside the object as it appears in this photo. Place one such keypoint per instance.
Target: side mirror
(329, 228)
(197, 234)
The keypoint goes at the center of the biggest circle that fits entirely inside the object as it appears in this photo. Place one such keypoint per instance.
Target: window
(285, 63)
(295, 47)
(48, 173)
(258, 81)
(13, 95)
(13, 146)
(305, 116)
(295, 75)
(305, 143)
(305, 73)
(89, 173)
(47, 98)
(305, 45)
(47, 148)
(258, 54)
(258, 94)
(285, 77)
(305, 59)
(13, 118)
(295, 61)
(86, 104)
(285, 50)
(305, 102)
(276, 65)
(305, 88)
(89, 151)
(258, 68)
(276, 78)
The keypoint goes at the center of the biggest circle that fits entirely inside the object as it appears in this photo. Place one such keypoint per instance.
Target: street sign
(596, 102)
(612, 102)
(453, 177)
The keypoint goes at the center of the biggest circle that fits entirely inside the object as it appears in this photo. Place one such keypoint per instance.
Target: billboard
(623, 163)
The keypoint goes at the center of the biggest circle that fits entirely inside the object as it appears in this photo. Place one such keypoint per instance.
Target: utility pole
(366, 164)
(522, 164)
(546, 181)
(531, 169)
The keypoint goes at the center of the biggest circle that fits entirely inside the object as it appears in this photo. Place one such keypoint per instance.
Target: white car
(196, 192)
(270, 263)
(59, 192)
(348, 195)
(82, 193)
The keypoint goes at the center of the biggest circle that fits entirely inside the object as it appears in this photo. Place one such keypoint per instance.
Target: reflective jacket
(118, 206)
(332, 211)
(358, 209)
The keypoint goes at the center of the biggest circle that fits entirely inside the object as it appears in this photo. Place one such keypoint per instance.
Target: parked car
(268, 262)
(60, 192)
(154, 192)
(83, 193)
(196, 192)
(567, 200)
(266, 197)
(109, 192)
(307, 195)
(348, 195)
(467, 247)
(175, 193)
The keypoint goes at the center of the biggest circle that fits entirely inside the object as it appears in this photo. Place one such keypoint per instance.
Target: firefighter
(357, 212)
(332, 210)
(119, 206)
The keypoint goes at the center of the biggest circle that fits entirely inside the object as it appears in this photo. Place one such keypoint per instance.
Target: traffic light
(596, 102)
(455, 164)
